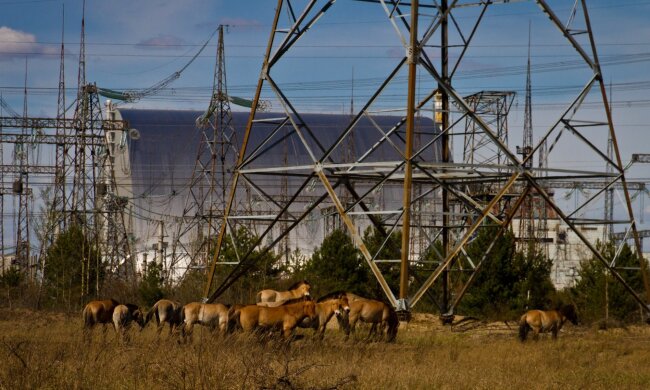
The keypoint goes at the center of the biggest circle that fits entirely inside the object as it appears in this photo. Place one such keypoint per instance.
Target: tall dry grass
(46, 350)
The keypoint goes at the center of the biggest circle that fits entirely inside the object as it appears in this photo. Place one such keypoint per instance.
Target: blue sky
(134, 44)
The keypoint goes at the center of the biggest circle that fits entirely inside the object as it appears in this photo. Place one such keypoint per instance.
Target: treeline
(509, 281)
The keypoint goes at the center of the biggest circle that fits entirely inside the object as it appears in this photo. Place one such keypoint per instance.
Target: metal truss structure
(82, 179)
(425, 36)
(216, 155)
(89, 177)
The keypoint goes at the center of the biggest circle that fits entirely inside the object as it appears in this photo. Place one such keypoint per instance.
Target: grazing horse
(297, 290)
(98, 312)
(123, 316)
(287, 316)
(377, 313)
(165, 311)
(335, 303)
(212, 315)
(540, 321)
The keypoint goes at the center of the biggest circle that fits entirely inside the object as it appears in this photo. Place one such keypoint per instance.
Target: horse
(123, 316)
(98, 312)
(165, 311)
(286, 317)
(212, 315)
(297, 290)
(335, 303)
(540, 321)
(377, 313)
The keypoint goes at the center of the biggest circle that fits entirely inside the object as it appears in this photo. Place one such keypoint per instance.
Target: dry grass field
(46, 350)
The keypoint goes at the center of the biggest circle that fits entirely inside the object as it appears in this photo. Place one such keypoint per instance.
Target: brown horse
(377, 313)
(335, 303)
(98, 312)
(123, 316)
(286, 317)
(540, 321)
(165, 311)
(297, 290)
(212, 315)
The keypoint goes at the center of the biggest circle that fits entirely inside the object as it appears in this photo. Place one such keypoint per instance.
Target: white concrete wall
(566, 249)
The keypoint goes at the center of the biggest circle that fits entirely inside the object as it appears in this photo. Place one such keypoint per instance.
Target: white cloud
(161, 41)
(19, 44)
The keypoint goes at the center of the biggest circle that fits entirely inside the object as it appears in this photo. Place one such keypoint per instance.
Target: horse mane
(297, 284)
(333, 295)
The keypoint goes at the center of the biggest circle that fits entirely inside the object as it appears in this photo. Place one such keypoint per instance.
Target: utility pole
(413, 59)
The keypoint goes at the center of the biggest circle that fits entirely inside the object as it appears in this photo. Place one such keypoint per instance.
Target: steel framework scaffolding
(511, 178)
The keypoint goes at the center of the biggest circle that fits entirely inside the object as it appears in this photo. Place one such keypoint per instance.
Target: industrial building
(155, 160)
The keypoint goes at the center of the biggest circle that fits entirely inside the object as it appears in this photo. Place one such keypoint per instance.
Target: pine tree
(589, 290)
(337, 265)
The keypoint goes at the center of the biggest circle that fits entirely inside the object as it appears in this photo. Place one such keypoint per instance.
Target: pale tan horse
(165, 311)
(98, 312)
(212, 315)
(286, 317)
(123, 316)
(297, 290)
(540, 321)
(335, 303)
(380, 315)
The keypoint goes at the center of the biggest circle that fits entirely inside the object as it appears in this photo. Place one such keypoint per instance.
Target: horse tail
(181, 317)
(181, 321)
(233, 318)
(150, 314)
(523, 328)
(88, 317)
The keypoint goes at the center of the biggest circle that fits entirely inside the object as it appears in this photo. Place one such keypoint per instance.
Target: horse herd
(282, 311)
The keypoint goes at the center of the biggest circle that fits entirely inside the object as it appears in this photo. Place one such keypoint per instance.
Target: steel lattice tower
(441, 180)
(22, 190)
(205, 202)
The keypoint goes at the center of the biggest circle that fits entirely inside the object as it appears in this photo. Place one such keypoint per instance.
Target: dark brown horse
(335, 303)
(165, 311)
(381, 315)
(285, 317)
(98, 312)
(540, 321)
(297, 290)
(123, 316)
